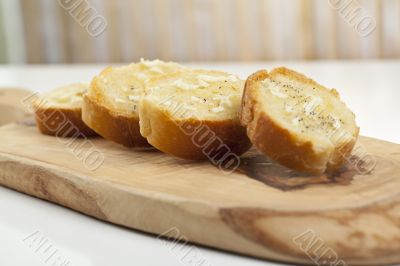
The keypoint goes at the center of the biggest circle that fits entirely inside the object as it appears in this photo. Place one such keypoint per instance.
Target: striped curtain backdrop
(90, 31)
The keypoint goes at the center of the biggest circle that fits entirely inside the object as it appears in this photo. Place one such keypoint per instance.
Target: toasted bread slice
(194, 115)
(297, 122)
(59, 112)
(111, 104)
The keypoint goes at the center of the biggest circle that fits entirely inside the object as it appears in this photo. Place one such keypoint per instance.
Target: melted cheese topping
(124, 86)
(306, 108)
(69, 96)
(203, 93)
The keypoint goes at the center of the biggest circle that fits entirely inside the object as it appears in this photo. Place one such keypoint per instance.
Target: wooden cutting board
(260, 209)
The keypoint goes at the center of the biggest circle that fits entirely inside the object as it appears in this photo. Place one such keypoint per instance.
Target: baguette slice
(59, 112)
(194, 115)
(110, 106)
(297, 122)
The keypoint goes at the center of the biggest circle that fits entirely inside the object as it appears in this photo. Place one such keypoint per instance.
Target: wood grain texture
(261, 209)
(12, 106)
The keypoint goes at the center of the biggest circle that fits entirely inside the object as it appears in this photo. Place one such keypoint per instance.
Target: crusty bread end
(58, 112)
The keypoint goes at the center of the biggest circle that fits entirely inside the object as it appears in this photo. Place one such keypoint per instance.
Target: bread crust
(61, 122)
(190, 138)
(279, 143)
(112, 126)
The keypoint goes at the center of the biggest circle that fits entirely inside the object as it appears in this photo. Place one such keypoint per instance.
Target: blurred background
(114, 31)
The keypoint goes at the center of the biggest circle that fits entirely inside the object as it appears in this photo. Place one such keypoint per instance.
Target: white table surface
(370, 88)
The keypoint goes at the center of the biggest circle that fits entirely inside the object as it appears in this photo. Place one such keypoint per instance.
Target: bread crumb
(336, 123)
(289, 108)
(142, 76)
(217, 109)
(208, 78)
(119, 100)
(202, 83)
(134, 97)
(273, 88)
(196, 99)
(183, 85)
(295, 121)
